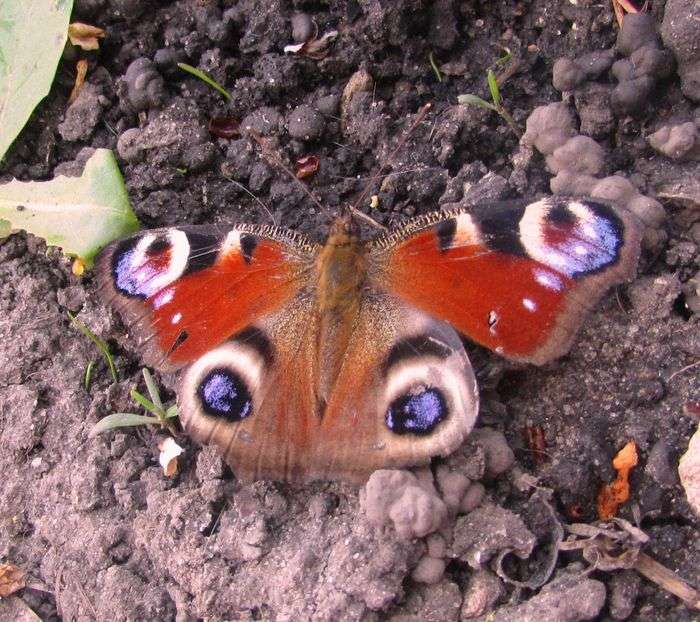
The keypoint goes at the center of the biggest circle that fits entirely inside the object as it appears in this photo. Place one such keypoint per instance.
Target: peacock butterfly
(309, 361)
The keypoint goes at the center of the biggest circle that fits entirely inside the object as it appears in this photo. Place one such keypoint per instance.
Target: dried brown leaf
(85, 36)
(12, 579)
(81, 68)
(306, 166)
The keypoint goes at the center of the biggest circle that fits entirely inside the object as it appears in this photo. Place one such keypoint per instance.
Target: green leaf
(493, 87)
(120, 420)
(198, 73)
(32, 37)
(146, 403)
(473, 100)
(171, 412)
(79, 214)
(100, 344)
(152, 389)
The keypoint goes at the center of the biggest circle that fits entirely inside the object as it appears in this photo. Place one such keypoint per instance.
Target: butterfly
(328, 361)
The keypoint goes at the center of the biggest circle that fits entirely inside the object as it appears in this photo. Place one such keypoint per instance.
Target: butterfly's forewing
(183, 291)
(517, 278)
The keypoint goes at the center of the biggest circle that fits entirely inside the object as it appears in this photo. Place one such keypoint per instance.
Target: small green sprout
(436, 69)
(206, 78)
(497, 106)
(161, 415)
(505, 58)
(101, 346)
(88, 375)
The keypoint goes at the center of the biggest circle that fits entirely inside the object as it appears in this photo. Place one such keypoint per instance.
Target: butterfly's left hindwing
(516, 278)
(183, 291)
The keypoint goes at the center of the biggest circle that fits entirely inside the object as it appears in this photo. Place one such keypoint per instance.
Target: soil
(105, 535)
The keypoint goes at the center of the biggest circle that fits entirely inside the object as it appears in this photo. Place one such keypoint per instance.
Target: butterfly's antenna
(274, 158)
(265, 208)
(422, 113)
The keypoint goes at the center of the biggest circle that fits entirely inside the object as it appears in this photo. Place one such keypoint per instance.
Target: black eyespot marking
(159, 245)
(203, 251)
(222, 393)
(257, 339)
(181, 338)
(248, 245)
(20, 208)
(561, 215)
(413, 347)
(446, 233)
(500, 229)
(417, 413)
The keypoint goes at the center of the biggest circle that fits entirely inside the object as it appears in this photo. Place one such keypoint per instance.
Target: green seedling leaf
(493, 87)
(152, 389)
(473, 100)
(88, 375)
(436, 69)
(505, 58)
(198, 73)
(154, 405)
(79, 214)
(33, 34)
(146, 403)
(120, 420)
(100, 344)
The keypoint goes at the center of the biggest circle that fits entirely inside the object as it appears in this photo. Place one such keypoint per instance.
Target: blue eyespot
(416, 413)
(222, 393)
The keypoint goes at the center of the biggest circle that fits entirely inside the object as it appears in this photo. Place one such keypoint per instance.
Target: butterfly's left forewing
(184, 290)
(517, 278)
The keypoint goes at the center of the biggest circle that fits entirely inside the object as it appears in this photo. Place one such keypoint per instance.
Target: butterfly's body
(330, 361)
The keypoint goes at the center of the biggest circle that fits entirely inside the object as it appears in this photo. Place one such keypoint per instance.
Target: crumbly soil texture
(100, 530)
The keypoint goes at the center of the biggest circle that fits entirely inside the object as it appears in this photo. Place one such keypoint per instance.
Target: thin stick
(682, 370)
(667, 579)
(368, 219)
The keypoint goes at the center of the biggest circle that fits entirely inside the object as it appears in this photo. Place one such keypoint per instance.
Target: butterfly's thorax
(341, 268)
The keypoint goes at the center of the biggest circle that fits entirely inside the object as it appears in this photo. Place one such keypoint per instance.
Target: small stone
(624, 588)
(436, 545)
(429, 570)
(305, 123)
(472, 498)
(580, 154)
(638, 30)
(567, 75)
(499, 456)
(660, 465)
(302, 27)
(632, 96)
(82, 115)
(145, 87)
(482, 592)
(595, 63)
(689, 472)
(129, 147)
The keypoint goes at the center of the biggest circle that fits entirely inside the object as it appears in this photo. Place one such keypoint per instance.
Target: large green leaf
(79, 214)
(32, 36)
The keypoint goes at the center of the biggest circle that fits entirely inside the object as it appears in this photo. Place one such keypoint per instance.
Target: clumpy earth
(103, 534)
